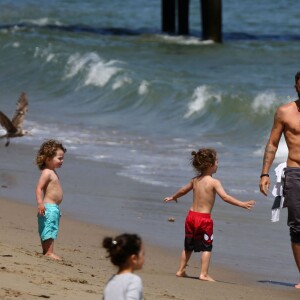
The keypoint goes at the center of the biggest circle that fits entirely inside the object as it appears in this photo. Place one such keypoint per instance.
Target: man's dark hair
(297, 77)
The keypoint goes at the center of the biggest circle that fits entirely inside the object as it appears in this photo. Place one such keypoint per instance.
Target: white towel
(277, 192)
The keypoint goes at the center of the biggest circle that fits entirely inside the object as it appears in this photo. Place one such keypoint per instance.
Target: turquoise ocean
(104, 79)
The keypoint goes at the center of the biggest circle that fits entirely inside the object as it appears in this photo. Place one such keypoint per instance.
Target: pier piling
(168, 9)
(211, 18)
(183, 17)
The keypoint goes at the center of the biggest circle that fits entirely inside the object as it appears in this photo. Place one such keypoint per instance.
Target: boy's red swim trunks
(198, 232)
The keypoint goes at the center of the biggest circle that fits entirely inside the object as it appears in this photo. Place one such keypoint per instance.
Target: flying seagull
(14, 127)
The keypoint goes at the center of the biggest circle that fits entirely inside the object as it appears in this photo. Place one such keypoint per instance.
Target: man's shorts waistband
(292, 169)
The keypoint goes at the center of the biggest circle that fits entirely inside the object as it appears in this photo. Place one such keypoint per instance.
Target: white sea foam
(50, 57)
(121, 81)
(263, 102)
(97, 71)
(141, 173)
(143, 88)
(185, 40)
(43, 22)
(100, 73)
(45, 53)
(200, 97)
(76, 63)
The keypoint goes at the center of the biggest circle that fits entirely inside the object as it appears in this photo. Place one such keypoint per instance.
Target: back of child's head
(120, 248)
(203, 159)
(48, 150)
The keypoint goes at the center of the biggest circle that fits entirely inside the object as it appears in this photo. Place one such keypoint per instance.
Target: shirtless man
(49, 194)
(287, 122)
(198, 224)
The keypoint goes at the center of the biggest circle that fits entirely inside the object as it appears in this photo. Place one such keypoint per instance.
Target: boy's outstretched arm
(181, 192)
(231, 200)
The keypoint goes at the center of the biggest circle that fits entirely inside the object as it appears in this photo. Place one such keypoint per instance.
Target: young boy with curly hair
(198, 224)
(49, 194)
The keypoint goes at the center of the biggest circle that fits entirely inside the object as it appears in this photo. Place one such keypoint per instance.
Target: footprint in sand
(10, 292)
(82, 281)
(91, 292)
(66, 264)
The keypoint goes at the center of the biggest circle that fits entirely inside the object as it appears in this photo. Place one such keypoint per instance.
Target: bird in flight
(14, 127)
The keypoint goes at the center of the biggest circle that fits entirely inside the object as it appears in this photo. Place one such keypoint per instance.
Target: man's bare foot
(181, 274)
(53, 256)
(206, 278)
(297, 286)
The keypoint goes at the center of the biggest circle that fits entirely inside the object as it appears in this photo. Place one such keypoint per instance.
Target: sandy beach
(84, 270)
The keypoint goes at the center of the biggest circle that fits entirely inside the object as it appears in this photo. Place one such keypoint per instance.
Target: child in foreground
(49, 194)
(198, 224)
(125, 251)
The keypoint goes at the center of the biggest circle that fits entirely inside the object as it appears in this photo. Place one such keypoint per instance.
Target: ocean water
(104, 79)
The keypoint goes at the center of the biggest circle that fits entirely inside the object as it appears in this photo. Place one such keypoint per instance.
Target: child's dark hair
(48, 150)
(120, 248)
(203, 159)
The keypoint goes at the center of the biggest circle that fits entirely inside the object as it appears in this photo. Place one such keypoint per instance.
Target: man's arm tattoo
(269, 155)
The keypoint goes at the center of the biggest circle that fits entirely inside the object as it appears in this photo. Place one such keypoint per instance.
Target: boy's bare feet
(206, 278)
(297, 286)
(181, 274)
(53, 256)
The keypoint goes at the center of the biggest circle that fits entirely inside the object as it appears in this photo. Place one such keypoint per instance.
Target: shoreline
(84, 270)
(81, 233)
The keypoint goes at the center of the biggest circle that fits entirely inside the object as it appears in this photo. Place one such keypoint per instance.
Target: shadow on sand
(288, 284)
(197, 278)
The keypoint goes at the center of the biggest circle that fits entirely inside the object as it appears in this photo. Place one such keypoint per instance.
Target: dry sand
(84, 270)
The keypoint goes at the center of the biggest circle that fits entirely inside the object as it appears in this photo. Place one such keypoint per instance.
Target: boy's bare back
(204, 194)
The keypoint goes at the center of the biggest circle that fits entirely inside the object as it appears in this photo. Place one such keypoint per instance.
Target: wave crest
(264, 102)
(96, 71)
(200, 97)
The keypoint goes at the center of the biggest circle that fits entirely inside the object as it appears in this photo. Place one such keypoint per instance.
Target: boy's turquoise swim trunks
(49, 223)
